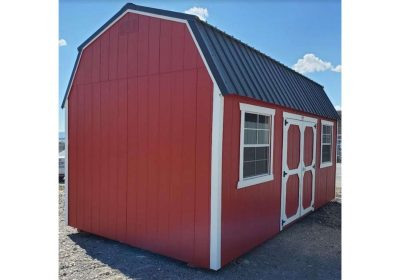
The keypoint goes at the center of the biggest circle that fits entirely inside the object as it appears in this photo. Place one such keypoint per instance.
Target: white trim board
(302, 122)
(247, 108)
(216, 179)
(66, 164)
(299, 117)
(330, 163)
(216, 146)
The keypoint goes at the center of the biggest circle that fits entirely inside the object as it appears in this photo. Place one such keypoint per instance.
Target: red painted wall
(251, 215)
(140, 113)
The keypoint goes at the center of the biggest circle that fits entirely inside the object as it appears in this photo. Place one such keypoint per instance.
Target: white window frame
(246, 182)
(329, 163)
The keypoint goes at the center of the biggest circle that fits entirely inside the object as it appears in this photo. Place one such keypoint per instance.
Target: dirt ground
(310, 249)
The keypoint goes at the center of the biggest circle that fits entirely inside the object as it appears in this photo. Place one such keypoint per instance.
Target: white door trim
(302, 122)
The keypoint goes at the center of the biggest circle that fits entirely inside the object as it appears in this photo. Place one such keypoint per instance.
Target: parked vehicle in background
(339, 138)
(61, 166)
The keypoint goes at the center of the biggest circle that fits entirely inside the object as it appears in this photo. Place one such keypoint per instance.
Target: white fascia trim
(299, 117)
(66, 164)
(247, 182)
(326, 164)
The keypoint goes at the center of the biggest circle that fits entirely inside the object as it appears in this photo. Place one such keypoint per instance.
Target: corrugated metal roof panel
(241, 69)
(248, 72)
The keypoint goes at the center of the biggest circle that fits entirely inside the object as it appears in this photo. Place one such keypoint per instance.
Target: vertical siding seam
(127, 156)
(91, 149)
(136, 153)
(195, 168)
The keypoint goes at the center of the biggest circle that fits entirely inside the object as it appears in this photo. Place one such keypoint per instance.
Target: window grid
(326, 150)
(262, 123)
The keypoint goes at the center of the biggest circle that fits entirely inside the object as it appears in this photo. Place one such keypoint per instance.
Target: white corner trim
(66, 164)
(216, 179)
(246, 182)
(330, 163)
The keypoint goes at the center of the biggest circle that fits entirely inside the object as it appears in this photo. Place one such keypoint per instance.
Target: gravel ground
(310, 249)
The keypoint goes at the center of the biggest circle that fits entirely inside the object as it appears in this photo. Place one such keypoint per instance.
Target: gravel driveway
(310, 249)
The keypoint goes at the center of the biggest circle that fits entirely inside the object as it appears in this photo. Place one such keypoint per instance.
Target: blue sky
(304, 35)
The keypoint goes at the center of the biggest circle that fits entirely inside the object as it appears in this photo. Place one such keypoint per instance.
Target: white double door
(298, 167)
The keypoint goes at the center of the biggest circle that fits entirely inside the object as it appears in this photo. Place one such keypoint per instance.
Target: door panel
(307, 189)
(292, 195)
(308, 145)
(298, 167)
(293, 149)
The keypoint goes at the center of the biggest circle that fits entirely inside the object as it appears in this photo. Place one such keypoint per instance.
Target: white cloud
(62, 43)
(338, 107)
(311, 63)
(202, 13)
(337, 68)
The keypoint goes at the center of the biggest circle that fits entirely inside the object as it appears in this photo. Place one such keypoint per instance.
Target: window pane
(263, 121)
(261, 167)
(249, 154)
(261, 153)
(326, 153)
(329, 132)
(250, 136)
(263, 137)
(249, 169)
(250, 120)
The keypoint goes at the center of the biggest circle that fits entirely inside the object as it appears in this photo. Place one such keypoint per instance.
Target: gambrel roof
(241, 69)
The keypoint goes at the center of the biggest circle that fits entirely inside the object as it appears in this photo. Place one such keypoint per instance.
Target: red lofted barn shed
(184, 141)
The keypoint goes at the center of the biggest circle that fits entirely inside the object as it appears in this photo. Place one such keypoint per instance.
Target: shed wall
(139, 131)
(251, 215)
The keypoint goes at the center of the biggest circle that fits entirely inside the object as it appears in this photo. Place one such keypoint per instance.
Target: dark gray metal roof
(249, 72)
(241, 69)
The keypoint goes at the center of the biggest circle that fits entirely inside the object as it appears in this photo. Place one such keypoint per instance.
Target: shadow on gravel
(310, 249)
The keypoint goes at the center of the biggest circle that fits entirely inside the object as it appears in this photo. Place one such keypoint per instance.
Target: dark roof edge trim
(71, 79)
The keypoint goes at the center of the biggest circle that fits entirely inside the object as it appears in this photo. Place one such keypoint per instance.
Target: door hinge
(283, 221)
(315, 125)
(284, 173)
(286, 122)
(313, 166)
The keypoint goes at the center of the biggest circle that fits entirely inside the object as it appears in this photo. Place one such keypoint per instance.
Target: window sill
(325, 164)
(254, 181)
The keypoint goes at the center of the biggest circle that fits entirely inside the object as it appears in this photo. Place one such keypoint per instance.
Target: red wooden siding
(140, 139)
(251, 215)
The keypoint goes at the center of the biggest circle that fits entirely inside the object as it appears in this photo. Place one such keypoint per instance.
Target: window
(256, 141)
(326, 143)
